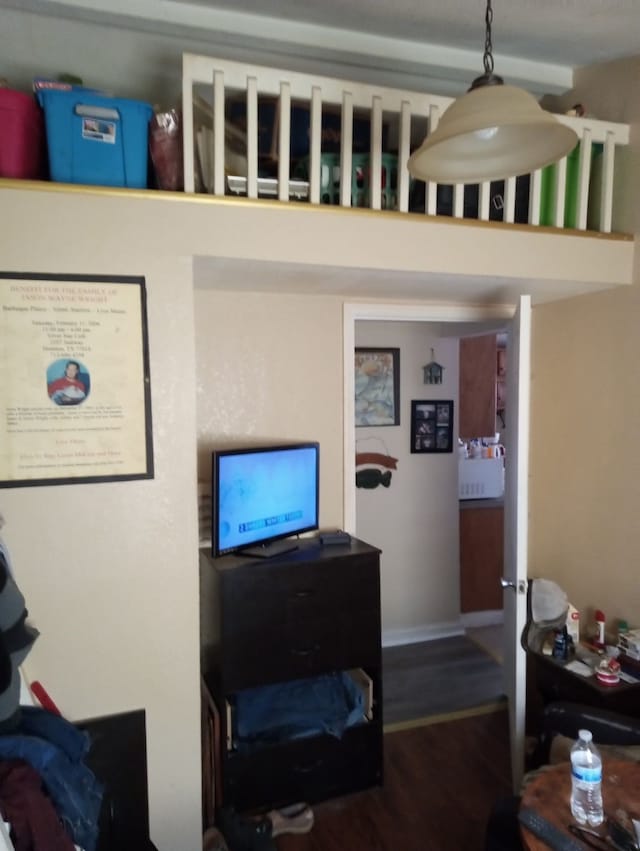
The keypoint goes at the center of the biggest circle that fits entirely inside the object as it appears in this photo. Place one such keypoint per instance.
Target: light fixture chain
(488, 48)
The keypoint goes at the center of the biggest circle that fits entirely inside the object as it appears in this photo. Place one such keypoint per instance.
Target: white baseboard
(486, 618)
(391, 637)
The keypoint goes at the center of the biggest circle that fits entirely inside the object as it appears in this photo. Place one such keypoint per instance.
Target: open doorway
(409, 613)
(414, 518)
(518, 320)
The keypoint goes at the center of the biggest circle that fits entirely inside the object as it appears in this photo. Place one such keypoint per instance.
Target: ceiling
(561, 32)
(536, 43)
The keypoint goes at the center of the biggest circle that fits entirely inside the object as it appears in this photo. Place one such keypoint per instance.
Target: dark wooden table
(553, 681)
(549, 794)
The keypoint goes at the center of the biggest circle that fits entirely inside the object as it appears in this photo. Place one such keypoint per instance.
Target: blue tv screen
(263, 494)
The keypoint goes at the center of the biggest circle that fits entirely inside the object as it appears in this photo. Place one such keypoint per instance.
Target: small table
(549, 794)
(554, 681)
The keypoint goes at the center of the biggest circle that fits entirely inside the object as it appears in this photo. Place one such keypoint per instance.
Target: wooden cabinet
(477, 390)
(481, 558)
(308, 613)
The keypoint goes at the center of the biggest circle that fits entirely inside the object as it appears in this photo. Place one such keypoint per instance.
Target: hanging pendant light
(491, 132)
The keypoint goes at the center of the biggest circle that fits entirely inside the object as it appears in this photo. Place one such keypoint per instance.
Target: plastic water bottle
(586, 781)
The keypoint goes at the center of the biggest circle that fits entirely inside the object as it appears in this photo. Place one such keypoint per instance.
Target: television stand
(275, 548)
(299, 616)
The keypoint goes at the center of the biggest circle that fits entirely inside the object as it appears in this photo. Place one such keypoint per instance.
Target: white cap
(585, 735)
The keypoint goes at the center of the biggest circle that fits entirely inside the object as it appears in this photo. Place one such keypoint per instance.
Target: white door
(516, 508)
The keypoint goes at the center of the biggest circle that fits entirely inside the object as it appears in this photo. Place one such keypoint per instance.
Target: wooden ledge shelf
(297, 247)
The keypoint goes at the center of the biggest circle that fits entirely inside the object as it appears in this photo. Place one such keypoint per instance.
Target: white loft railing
(576, 192)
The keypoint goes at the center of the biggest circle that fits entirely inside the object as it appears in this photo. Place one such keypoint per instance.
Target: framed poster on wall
(75, 395)
(377, 387)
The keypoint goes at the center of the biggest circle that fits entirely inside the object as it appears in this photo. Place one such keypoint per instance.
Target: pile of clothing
(48, 796)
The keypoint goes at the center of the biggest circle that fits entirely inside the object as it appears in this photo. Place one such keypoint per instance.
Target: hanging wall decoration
(431, 425)
(432, 371)
(373, 468)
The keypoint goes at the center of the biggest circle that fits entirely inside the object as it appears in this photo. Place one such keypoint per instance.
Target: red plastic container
(21, 136)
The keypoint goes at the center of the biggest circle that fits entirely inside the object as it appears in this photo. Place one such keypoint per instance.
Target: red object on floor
(43, 696)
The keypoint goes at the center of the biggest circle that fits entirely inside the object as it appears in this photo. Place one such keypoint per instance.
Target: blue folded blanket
(318, 705)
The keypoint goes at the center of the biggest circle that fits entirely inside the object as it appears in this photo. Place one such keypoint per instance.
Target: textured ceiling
(436, 44)
(562, 32)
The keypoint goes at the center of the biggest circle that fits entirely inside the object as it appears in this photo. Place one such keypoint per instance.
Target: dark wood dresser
(310, 612)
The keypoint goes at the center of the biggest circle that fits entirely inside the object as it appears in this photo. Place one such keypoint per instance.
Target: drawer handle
(307, 769)
(305, 651)
(304, 592)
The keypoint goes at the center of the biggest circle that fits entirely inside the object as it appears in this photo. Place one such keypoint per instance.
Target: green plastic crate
(360, 179)
(547, 184)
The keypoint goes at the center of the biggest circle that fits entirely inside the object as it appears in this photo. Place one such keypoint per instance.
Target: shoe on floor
(243, 833)
(295, 819)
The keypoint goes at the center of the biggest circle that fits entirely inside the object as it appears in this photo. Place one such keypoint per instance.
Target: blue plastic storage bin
(96, 139)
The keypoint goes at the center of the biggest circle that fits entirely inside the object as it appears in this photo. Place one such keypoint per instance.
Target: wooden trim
(266, 203)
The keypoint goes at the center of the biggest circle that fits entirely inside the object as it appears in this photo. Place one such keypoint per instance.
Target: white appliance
(480, 478)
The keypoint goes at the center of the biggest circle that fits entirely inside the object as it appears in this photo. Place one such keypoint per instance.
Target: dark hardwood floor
(440, 783)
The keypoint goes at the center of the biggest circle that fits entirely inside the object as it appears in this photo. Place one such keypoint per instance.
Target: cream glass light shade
(490, 133)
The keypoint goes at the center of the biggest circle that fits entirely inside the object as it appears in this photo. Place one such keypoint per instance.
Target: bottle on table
(623, 632)
(600, 639)
(586, 781)
(561, 644)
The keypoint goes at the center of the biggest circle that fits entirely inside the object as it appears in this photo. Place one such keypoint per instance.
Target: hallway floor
(490, 638)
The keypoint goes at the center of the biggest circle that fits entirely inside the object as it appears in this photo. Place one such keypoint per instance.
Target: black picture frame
(377, 386)
(431, 426)
(76, 401)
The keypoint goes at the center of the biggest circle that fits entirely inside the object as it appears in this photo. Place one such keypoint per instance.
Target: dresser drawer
(257, 596)
(305, 769)
(294, 650)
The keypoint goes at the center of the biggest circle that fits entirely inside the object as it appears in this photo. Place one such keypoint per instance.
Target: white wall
(109, 570)
(270, 367)
(585, 410)
(415, 520)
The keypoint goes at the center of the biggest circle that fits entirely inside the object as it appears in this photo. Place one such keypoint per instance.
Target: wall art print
(431, 425)
(377, 387)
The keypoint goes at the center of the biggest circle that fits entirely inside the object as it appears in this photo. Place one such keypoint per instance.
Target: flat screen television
(262, 497)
